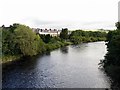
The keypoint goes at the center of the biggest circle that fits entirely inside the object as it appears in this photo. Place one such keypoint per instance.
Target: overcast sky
(72, 14)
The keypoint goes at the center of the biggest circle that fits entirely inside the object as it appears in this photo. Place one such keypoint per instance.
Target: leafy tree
(76, 39)
(64, 34)
(27, 40)
(118, 25)
(8, 44)
(47, 38)
(20, 39)
(0, 42)
(113, 55)
(111, 63)
(55, 39)
(79, 36)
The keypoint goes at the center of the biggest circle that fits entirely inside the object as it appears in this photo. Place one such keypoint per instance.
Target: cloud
(100, 24)
(71, 24)
(42, 22)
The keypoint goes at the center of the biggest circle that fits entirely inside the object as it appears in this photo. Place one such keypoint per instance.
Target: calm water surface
(67, 67)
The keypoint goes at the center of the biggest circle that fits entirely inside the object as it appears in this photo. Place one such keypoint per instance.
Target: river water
(74, 66)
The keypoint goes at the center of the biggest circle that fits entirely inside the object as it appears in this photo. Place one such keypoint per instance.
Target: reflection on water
(67, 67)
(64, 50)
(48, 53)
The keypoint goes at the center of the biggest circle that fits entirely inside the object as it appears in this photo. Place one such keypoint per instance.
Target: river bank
(20, 40)
(111, 62)
(114, 73)
(48, 47)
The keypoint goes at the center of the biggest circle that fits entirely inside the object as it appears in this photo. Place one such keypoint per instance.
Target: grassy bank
(10, 58)
(58, 44)
(48, 47)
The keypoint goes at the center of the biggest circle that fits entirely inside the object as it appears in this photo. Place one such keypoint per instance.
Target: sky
(71, 14)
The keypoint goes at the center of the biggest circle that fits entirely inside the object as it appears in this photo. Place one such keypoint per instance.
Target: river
(74, 66)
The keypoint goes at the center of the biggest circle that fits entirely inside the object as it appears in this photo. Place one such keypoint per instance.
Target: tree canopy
(20, 39)
(64, 34)
(118, 25)
(79, 36)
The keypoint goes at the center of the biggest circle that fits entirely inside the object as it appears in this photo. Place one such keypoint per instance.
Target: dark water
(68, 67)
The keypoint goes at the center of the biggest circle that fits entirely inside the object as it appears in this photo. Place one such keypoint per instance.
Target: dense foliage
(118, 25)
(79, 36)
(111, 63)
(64, 34)
(113, 46)
(46, 38)
(19, 40)
(0, 42)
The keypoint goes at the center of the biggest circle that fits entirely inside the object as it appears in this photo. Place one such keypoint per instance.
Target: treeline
(111, 63)
(19, 40)
(79, 36)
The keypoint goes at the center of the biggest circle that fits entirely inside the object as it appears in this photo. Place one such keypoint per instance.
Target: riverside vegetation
(111, 63)
(19, 40)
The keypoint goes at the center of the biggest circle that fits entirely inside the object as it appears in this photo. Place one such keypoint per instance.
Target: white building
(52, 32)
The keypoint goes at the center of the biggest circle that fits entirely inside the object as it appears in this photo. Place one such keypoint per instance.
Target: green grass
(9, 58)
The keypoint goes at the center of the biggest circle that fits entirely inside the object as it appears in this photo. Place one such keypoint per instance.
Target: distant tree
(47, 38)
(42, 36)
(118, 25)
(64, 34)
(76, 39)
(3, 26)
(79, 36)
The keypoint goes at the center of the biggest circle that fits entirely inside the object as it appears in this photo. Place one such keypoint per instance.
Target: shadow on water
(115, 85)
(115, 82)
(24, 68)
(22, 63)
(64, 50)
(47, 53)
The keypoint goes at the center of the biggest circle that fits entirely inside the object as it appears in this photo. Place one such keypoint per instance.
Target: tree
(79, 36)
(64, 34)
(76, 39)
(47, 38)
(3, 26)
(20, 39)
(8, 44)
(113, 47)
(118, 25)
(29, 43)
(113, 55)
